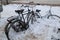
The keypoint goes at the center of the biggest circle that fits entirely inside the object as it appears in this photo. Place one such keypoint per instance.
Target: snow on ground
(42, 29)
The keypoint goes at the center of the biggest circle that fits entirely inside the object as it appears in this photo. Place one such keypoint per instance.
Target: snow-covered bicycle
(52, 15)
(20, 22)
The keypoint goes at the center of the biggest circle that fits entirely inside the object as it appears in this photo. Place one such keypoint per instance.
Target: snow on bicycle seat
(19, 11)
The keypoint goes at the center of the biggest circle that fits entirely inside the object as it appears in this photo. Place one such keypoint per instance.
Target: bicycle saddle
(38, 10)
(19, 11)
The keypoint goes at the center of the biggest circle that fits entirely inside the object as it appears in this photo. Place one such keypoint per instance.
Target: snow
(42, 29)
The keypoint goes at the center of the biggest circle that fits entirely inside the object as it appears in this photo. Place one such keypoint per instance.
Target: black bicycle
(20, 22)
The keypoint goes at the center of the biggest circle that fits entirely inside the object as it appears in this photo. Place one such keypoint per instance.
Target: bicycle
(19, 23)
(52, 15)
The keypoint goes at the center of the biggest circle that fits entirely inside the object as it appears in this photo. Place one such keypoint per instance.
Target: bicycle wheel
(7, 28)
(54, 16)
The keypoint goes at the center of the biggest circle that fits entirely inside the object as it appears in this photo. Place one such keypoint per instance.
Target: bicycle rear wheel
(7, 28)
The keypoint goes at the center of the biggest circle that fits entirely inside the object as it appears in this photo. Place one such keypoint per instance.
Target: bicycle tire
(7, 31)
(7, 27)
(53, 15)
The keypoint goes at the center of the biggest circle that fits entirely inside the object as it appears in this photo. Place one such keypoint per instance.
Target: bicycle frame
(33, 14)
